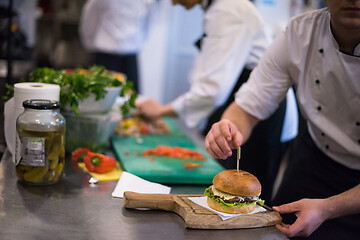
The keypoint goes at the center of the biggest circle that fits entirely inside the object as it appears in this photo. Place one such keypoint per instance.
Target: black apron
(312, 174)
(262, 153)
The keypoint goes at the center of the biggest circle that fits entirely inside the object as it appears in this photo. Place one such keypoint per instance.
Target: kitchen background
(45, 33)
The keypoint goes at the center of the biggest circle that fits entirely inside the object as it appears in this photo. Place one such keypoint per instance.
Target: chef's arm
(311, 213)
(244, 121)
(346, 203)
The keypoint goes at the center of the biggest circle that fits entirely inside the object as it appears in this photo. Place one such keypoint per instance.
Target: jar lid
(41, 104)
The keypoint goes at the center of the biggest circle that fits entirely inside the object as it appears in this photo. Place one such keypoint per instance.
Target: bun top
(240, 183)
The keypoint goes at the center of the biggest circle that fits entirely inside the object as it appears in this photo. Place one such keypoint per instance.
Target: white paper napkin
(202, 201)
(130, 182)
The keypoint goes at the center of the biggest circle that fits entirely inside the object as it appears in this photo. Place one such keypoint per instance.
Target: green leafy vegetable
(261, 202)
(208, 192)
(77, 85)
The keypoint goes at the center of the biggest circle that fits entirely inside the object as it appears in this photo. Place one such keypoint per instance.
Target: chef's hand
(149, 109)
(222, 137)
(310, 213)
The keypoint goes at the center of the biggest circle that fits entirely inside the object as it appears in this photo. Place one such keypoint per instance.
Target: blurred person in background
(116, 30)
(233, 43)
(319, 54)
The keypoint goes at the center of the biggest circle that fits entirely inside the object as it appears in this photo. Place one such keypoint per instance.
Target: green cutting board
(159, 168)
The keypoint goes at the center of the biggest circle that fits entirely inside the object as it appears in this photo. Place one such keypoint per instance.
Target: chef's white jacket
(327, 83)
(234, 38)
(116, 26)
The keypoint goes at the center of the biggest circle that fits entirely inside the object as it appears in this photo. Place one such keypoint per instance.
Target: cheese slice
(227, 196)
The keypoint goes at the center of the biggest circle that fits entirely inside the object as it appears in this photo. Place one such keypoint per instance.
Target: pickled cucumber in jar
(40, 153)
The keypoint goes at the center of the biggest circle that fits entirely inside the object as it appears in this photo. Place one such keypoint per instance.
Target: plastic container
(88, 130)
(40, 152)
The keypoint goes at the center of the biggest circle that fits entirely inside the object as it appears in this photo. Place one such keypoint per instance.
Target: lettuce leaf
(209, 193)
(261, 202)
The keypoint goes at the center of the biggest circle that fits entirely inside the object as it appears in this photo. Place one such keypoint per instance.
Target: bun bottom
(248, 208)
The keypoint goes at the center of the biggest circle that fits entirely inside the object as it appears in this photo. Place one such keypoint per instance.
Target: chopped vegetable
(78, 154)
(133, 126)
(99, 163)
(175, 152)
(191, 165)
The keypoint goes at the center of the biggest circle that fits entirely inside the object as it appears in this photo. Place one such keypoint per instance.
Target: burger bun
(240, 183)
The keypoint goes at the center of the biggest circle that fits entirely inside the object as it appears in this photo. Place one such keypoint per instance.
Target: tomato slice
(191, 165)
(175, 152)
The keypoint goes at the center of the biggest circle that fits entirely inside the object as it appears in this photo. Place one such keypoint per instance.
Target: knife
(265, 206)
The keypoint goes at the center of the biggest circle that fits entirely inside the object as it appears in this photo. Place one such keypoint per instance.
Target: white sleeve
(90, 21)
(268, 83)
(116, 26)
(224, 52)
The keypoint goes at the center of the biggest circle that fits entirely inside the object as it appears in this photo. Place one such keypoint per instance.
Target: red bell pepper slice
(78, 154)
(175, 152)
(191, 165)
(99, 163)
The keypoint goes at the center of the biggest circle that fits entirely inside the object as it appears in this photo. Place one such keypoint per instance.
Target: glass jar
(40, 151)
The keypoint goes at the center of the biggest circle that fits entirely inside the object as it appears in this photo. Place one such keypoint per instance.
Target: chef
(116, 31)
(234, 40)
(319, 53)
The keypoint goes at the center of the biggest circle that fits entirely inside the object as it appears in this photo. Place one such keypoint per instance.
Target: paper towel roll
(25, 91)
(13, 107)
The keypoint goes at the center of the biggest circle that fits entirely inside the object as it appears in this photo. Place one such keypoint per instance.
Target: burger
(234, 192)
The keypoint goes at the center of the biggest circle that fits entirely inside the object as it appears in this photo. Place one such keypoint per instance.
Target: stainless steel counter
(72, 209)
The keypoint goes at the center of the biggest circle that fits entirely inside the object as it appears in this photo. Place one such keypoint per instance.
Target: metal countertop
(72, 209)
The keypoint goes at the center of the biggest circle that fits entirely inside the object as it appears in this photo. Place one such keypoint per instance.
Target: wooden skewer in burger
(234, 191)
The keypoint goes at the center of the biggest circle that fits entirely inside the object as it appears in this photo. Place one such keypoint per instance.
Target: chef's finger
(283, 225)
(221, 139)
(296, 229)
(231, 133)
(225, 130)
(213, 149)
(284, 228)
(216, 152)
(236, 140)
(287, 208)
(213, 146)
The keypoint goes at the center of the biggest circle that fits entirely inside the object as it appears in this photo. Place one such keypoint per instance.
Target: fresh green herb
(77, 85)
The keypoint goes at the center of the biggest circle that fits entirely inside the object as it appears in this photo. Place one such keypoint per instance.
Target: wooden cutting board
(196, 216)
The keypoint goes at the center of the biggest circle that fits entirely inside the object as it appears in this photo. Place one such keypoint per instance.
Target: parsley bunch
(77, 85)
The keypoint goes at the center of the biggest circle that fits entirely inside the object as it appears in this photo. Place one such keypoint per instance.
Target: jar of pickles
(40, 152)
